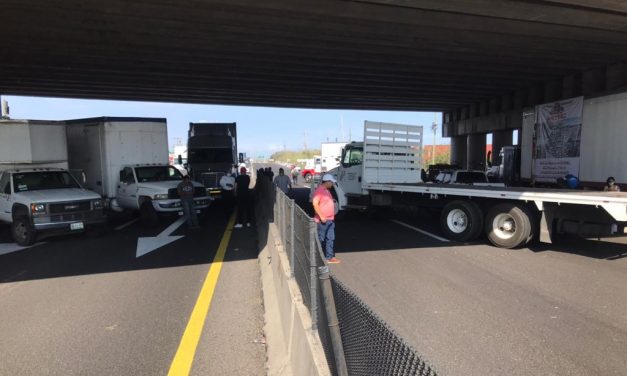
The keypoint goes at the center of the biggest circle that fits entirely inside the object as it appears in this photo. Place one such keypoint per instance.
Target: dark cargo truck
(212, 156)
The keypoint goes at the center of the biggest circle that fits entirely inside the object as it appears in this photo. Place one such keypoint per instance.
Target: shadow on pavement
(116, 251)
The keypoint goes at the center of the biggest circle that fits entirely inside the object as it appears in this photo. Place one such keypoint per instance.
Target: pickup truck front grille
(70, 207)
(198, 192)
(69, 217)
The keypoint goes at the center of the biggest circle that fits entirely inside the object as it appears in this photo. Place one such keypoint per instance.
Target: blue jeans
(326, 234)
(189, 210)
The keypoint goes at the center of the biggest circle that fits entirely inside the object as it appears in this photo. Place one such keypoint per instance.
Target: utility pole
(434, 128)
(305, 140)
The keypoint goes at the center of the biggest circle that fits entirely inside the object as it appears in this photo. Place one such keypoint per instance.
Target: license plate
(76, 226)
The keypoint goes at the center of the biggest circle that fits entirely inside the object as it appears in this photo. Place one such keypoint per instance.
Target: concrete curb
(292, 347)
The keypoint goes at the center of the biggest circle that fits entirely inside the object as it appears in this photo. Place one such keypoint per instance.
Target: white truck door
(127, 189)
(349, 173)
(5, 197)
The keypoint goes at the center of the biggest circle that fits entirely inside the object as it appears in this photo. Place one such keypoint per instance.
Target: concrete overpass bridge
(478, 62)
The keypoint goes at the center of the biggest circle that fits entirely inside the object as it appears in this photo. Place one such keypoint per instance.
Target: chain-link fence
(369, 346)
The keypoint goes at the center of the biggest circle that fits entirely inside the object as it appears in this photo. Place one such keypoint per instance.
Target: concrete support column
(500, 139)
(458, 151)
(476, 152)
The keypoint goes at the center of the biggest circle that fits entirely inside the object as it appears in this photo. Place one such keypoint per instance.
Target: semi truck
(126, 162)
(39, 197)
(384, 170)
(212, 156)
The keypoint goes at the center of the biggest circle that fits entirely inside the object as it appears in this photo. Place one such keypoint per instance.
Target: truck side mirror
(7, 189)
(180, 159)
(122, 176)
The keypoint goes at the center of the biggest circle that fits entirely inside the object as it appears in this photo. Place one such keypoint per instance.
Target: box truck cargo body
(102, 147)
(38, 195)
(126, 161)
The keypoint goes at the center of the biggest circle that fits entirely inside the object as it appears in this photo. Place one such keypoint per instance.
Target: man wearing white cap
(325, 214)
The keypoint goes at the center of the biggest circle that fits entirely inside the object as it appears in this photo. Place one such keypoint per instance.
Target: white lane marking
(420, 231)
(126, 224)
(6, 248)
(147, 245)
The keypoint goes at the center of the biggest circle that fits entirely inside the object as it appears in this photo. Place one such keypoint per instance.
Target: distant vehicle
(313, 167)
(330, 154)
(126, 161)
(39, 196)
(212, 156)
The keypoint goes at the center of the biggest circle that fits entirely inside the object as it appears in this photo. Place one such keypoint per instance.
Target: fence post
(313, 233)
(292, 261)
(326, 291)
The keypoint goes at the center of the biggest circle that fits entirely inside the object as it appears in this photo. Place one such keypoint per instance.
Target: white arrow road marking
(147, 245)
(13, 247)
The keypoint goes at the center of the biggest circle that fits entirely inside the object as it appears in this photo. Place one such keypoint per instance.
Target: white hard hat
(329, 177)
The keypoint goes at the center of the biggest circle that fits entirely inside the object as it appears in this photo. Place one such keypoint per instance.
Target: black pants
(243, 208)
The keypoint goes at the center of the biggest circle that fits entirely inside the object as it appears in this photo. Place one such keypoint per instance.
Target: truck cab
(47, 201)
(152, 190)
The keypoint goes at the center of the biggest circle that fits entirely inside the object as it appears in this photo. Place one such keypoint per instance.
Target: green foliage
(291, 156)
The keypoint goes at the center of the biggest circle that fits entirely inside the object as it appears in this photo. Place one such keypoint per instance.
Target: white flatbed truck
(385, 170)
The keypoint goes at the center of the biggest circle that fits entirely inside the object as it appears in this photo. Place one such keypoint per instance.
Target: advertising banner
(557, 139)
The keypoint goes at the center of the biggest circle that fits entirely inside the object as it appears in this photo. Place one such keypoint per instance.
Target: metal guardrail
(367, 345)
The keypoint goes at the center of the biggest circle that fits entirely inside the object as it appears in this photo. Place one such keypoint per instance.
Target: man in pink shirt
(325, 214)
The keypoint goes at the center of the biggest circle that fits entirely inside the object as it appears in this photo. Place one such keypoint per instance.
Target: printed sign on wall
(557, 139)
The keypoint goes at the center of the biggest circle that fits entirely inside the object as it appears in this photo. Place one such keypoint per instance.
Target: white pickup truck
(46, 201)
(152, 189)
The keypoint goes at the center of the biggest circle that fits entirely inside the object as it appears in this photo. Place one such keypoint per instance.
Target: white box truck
(38, 195)
(126, 161)
(385, 170)
(330, 154)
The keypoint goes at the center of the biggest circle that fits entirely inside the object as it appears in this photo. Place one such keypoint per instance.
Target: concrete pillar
(475, 159)
(458, 151)
(500, 139)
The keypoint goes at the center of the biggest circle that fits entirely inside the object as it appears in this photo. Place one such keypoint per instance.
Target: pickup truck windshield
(157, 173)
(35, 181)
(213, 155)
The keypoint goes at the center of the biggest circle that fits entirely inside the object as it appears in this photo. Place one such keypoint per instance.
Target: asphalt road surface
(79, 305)
(473, 309)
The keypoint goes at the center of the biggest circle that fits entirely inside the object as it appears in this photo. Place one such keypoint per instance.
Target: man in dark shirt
(186, 193)
(242, 193)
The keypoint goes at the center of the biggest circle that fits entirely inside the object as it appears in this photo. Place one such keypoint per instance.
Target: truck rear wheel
(508, 226)
(461, 220)
(22, 231)
(148, 215)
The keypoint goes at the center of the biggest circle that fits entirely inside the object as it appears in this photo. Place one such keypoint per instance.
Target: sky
(260, 130)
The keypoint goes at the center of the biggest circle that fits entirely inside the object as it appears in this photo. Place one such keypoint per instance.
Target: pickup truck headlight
(97, 204)
(38, 208)
(161, 196)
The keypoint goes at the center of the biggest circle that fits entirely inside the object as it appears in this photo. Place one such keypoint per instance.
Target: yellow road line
(182, 362)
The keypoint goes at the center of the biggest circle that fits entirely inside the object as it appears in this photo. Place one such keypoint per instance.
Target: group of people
(323, 202)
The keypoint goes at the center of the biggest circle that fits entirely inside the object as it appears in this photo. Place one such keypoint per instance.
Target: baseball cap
(329, 177)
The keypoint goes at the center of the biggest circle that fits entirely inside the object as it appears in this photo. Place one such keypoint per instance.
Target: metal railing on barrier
(367, 346)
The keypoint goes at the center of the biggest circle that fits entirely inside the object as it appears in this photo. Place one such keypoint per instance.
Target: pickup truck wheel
(461, 220)
(308, 178)
(147, 215)
(22, 231)
(508, 226)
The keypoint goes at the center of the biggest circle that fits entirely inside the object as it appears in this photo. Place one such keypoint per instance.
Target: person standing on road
(611, 186)
(295, 175)
(185, 190)
(324, 208)
(282, 181)
(242, 193)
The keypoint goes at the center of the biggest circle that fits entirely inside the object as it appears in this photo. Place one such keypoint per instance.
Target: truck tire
(461, 220)
(148, 215)
(308, 178)
(508, 226)
(22, 231)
